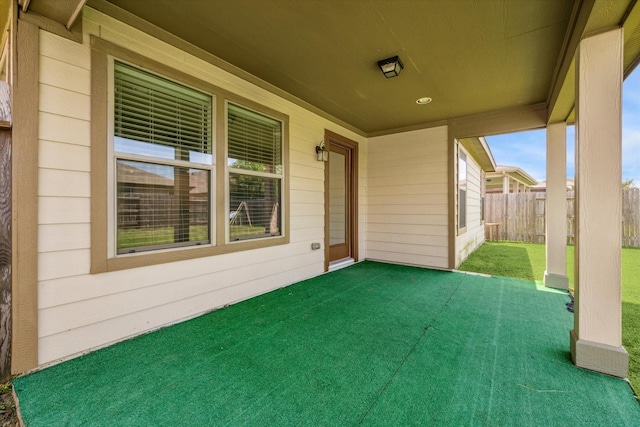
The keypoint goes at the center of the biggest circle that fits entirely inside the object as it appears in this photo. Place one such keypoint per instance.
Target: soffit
(598, 15)
(470, 56)
(59, 10)
(480, 151)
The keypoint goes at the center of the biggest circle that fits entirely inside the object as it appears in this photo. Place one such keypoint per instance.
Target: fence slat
(521, 216)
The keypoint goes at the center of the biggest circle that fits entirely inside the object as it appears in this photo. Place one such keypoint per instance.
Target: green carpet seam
(411, 350)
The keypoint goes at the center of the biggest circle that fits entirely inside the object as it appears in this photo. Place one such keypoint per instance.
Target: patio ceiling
(472, 57)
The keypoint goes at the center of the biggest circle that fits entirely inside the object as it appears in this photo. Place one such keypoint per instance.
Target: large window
(162, 149)
(180, 168)
(255, 168)
(462, 190)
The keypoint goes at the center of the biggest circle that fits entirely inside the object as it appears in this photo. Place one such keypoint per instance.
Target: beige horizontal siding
(63, 237)
(59, 128)
(63, 210)
(55, 155)
(77, 340)
(469, 240)
(407, 219)
(79, 311)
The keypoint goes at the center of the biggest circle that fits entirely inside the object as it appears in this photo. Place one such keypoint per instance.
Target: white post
(596, 340)
(505, 184)
(555, 211)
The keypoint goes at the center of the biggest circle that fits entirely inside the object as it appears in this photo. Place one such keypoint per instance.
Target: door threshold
(341, 263)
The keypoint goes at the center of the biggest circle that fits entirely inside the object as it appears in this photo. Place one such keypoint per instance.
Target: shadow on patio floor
(372, 344)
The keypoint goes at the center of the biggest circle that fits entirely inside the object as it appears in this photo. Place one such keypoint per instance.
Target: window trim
(229, 171)
(461, 152)
(483, 196)
(101, 128)
(114, 156)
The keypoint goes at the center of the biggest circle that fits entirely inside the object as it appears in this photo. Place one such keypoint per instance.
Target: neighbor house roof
(494, 179)
(542, 185)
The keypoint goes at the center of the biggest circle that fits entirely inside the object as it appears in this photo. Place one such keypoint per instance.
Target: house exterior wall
(79, 311)
(472, 236)
(407, 198)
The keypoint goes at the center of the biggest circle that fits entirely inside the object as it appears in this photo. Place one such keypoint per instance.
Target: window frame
(483, 196)
(462, 226)
(229, 170)
(102, 224)
(115, 156)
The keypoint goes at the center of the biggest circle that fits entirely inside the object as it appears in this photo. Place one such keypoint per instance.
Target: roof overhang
(591, 17)
(491, 67)
(480, 151)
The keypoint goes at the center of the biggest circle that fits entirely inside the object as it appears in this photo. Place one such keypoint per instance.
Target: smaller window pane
(161, 206)
(254, 141)
(254, 208)
(462, 190)
(161, 118)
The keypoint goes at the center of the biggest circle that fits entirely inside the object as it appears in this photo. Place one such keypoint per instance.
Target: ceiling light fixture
(423, 100)
(390, 67)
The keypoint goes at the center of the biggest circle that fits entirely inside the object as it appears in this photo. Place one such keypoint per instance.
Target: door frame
(339, 140)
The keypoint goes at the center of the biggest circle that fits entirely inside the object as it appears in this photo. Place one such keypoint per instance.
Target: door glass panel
(337, 199)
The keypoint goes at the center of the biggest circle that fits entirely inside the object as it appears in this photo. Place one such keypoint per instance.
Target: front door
(341, 190)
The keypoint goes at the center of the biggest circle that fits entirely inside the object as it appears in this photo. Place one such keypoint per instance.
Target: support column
(596, 340)
(555, 276)
(505, 184)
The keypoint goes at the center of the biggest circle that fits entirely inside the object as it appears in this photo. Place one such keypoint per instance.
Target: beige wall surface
(407, 198)
(79, 311)
(473, 236)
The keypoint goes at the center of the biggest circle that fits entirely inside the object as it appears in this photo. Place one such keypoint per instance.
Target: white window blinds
(254, 140)
(163, 153)
(154, 110)
(254, 144)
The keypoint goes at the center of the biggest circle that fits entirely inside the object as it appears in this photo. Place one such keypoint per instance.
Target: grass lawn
(133, 237)
(527, 261)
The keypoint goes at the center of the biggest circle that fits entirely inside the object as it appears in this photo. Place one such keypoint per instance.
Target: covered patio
(370, 344)
(282, 107)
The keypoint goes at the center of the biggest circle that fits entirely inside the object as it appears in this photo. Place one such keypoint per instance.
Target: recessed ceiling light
(423, 100)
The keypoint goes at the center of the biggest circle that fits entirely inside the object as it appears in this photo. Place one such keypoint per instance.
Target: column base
(556, 281)
(598, 357)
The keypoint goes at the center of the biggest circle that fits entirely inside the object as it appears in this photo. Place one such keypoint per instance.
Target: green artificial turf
(527, 261)
(371, 344)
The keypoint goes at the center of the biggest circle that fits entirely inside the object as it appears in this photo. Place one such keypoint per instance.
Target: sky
(527, 150)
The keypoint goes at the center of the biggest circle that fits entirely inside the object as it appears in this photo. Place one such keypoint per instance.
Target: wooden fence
(520, 217)
(5, 233)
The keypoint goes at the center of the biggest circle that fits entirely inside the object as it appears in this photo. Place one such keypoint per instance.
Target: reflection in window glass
(163, 201)
(254, 144)
(130, 146)
(254, 206)
(160, 206)
(462, 190)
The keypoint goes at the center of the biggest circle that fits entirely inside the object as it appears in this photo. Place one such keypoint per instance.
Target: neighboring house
(165, 159)
(541, 187)
(509, 179)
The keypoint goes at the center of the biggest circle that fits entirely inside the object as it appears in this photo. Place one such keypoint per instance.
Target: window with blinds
(462, 190)
(163, 156)
(255, 167)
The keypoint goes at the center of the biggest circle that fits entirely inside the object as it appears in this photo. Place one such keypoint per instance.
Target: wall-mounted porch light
(390, 67)
(322, 155)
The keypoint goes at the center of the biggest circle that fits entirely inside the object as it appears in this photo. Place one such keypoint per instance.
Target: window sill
(144, 259)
